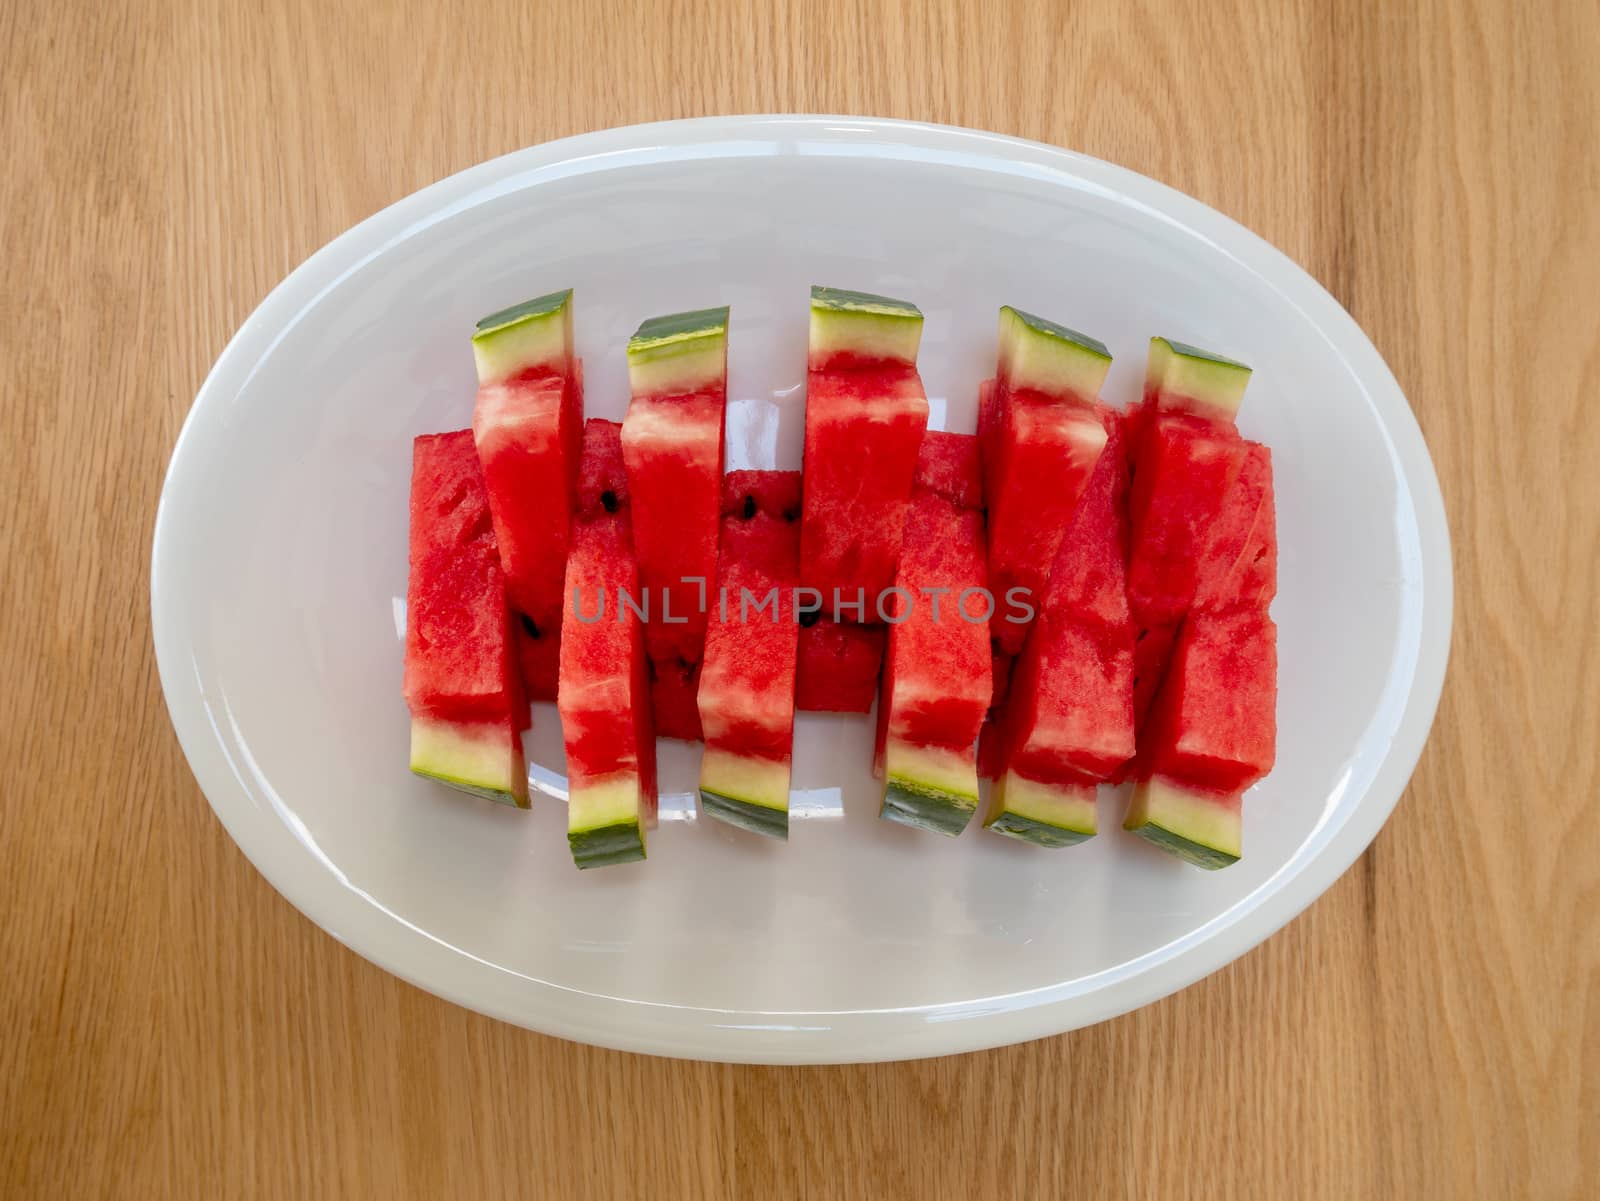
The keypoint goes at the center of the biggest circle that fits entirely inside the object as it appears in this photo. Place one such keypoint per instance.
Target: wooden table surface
(170, 1027)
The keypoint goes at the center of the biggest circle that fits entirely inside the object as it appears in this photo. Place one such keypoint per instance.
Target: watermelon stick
(1186, 455)
(672, 445)
(527, 422)
(1067, 721)
(1212, 731)
(747, 679)
(604, 697)
(936, 681)
(460, 672)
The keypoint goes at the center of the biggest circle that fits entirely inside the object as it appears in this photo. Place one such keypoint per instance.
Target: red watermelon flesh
(460, 662)
(863, 432)
(1211, 731)
(1000, 668)
(1236, 570)
(937, 668)
(1068, 716)
(1182, 475)
(988, 423)
(837, 666)
(1001, 658)
(602, 476)
(949, 466)
(674, 685)
(991, 744)
(1239, 567)
(747, 681)
(605, 683)
(644, 735)
(991, 749)
(1135, 425)
(673, 449)
(1152, 649)
(539, 652)
(1041, 452)
(1070, 713)
(528, 431)
(1214, 723)
(777, 493)
(1089, 578)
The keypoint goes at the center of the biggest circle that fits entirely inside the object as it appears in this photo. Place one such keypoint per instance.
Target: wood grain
(169, 1027)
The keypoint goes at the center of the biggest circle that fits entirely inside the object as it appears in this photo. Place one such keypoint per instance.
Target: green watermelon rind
(1188, 379)
(603, 825)
(1043, 356)
(863, 325)
(747, 815)
(448, 753)
(488, 792)
(928, 787)
(924, 807)
(1044, 327)
(1041, 813)
(540, 306)
(843, 300)
(675, 332)
(743, 790)
(1194, 352)
(1040, 834)
(1190, 852)
(604, 846)
(1199, 828)
(679, 353)
(534, 334)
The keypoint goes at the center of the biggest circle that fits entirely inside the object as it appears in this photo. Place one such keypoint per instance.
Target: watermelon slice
(936, 680)
(1067, 723)
(672, 445)
(1041, 436)
(837, 665)
(748, 677)
(528, 423)
(604, 696)
(865, 416)
(1186, 455)
(461, 679)
(1212, 730)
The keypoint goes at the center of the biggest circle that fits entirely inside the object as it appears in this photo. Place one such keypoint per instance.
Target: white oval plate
(280, 571)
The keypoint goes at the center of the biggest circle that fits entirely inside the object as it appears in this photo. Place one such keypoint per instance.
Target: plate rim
(851, 1036)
